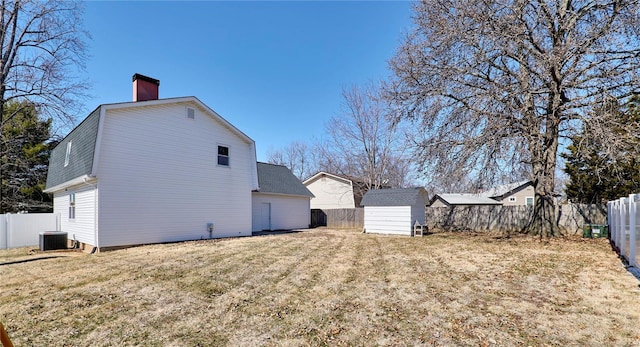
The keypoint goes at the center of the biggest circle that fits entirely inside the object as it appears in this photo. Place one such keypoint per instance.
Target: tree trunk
(544, 219)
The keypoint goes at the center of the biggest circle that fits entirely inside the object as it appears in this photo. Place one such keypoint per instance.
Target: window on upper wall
(67, 154)
(223, 155)
(529, 200)
(512, 199)
(72, 206)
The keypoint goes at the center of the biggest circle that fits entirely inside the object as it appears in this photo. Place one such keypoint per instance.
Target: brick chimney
(145, 88)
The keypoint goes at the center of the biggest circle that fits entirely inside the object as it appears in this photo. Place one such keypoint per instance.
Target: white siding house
(282, 202)
(394, 211)
(331, 191)
(153, 171)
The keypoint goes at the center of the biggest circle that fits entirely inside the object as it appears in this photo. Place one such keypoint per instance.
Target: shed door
(265, 216)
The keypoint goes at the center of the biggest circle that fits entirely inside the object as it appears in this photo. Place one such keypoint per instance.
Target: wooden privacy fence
(510, 218)
(20, 230)
(343, 218)
(624, 215)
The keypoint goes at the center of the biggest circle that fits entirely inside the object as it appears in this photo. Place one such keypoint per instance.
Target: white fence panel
(624, 216)
(21, 230)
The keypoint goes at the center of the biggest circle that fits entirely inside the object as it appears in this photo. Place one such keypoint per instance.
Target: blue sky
(273, 69)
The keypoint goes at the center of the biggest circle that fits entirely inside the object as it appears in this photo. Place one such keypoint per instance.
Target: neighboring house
(514, 194)
(449, 200)
(332, 191)
(394, 211)
(153, 170)
(282, 202)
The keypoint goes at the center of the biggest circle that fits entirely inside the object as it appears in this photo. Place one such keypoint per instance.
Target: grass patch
(326, 287)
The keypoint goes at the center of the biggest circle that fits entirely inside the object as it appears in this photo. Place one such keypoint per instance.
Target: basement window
(223, 155)
(67, 154)
(72, 206)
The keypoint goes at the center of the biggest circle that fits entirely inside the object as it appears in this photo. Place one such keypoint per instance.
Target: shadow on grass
(630, 268)
(30, 260)
(275, 232)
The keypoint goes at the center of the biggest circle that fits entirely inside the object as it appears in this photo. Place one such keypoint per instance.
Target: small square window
(223, 155)
(529, 201)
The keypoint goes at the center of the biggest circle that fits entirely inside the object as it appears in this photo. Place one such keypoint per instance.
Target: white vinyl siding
(160, 181)
(82, 227)
(388, 220)
(397, 220)
(287, 212)
(331, 193)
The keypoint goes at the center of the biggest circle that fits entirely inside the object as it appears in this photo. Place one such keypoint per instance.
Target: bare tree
(41, 46)
(496, 85)
(296, 156)
(363, 143)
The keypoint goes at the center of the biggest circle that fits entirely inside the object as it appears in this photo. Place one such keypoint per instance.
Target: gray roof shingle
(83, 146)
(393, 197)
(465, 199)
(278, 179)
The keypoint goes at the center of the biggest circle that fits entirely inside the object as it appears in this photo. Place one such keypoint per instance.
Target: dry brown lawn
(326, 287)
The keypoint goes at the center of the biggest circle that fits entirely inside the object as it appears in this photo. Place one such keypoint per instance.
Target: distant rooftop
(466, 199)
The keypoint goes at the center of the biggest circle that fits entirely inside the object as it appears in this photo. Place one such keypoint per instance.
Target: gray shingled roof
(504, 189)
(278, 179)
(392, 197)
(465, 199)
(83, 145)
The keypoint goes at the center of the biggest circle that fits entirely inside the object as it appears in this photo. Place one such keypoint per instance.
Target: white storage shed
(394, 211)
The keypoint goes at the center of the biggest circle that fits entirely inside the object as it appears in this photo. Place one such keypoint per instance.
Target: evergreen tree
(24, 159)
(595, 177)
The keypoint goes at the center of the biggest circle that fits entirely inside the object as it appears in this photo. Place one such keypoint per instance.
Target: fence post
(609, 222)
(3, 234)
(7, 226)
(621, 225)
(632, 228)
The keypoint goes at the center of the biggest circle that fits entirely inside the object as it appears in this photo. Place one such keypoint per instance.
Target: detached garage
(282, 202)
(393, 211)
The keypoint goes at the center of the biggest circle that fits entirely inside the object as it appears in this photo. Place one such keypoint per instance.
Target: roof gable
(464, 199)
(505, 189)
(328, 175)
(394, 197)
(192, 99)
(85, 139)
(278, 179)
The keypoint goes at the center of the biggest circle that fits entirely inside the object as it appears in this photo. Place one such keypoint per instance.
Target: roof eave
(70, 183)
(285, 194)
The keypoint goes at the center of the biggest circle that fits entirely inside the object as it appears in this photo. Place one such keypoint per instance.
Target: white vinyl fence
(624, 216)
(21, 230)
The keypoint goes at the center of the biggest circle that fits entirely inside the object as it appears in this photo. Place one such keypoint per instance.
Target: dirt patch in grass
(326, 287)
